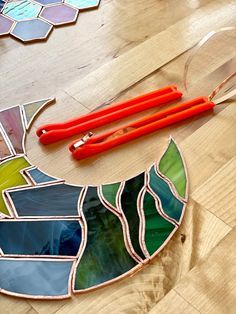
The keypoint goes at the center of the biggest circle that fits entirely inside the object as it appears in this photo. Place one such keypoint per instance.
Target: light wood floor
(121, 50)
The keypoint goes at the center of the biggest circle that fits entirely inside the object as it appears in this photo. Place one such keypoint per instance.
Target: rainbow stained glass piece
(83, 4)
(40, 177)
(5, 24)
(59, 200)
(4, 149)
(59, 14)
(42, 237)
(157, 228)
(12, 123)
(22, 10)
(105, 256)
(35, 278)
(31, 30)
(48, 2)
(31, 109)
(10, 177)
(171, 165)
(171, 205)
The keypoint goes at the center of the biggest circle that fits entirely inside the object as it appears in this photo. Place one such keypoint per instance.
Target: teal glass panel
(172, 206)
(83, 4)
(129, 206)
(157, 229)
(22, 10)
(172, 166)
(105, 256)
(35, 278)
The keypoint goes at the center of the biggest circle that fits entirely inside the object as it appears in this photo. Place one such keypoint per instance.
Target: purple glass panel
(59, 14)
(12, 123)
(31, 30)
(5, 25)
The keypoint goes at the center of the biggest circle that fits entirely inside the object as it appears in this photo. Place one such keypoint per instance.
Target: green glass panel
(171, 165)
(32, 108)
(105, 256)
(129, 206)
(157, 229)
(109, 192)
(10, 177)
(171, 205)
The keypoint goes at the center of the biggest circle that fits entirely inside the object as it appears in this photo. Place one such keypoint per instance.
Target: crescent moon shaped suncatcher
(57, 239)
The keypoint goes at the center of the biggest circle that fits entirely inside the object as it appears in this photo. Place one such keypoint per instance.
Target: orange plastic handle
(99, 144)
(52, 133)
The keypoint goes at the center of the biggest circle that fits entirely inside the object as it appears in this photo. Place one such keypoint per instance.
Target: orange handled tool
(52, 133)
(91, 145)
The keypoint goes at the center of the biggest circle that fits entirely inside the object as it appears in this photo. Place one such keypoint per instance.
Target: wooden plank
(173, 303)
(9, 305)
(198, 234)
(211, 286)
(74, 51)
(211, 146)
(111, 79)
(218, 193)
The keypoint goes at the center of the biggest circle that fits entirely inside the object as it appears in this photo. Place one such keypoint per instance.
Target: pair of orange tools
(91, 144)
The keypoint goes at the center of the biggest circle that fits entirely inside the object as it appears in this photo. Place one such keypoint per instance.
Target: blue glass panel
(129, 206)
(40, 177)
(37, 278)
(54, 200)
(22, 10)
(61, 237)
(170, 204)
(105, 256)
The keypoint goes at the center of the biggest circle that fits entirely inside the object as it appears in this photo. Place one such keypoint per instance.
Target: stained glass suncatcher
(33, 20)
(57, 239)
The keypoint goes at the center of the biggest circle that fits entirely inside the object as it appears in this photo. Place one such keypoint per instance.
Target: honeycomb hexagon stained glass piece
(5, 25)
(48, 2)
(83, 4)
(1, 4)
(31, 30)
(59, 14)
(22, 10)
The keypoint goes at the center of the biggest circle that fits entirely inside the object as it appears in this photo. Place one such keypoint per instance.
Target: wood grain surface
(119, 51)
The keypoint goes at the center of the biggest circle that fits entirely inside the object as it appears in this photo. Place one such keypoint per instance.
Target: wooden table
(121, 50)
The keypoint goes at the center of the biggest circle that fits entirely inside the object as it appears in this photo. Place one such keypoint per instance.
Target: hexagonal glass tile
(35, 29)
(22, 10)
(83, 4)
(5, 25)
(1, 4)
(59, 14)
(48, 2)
